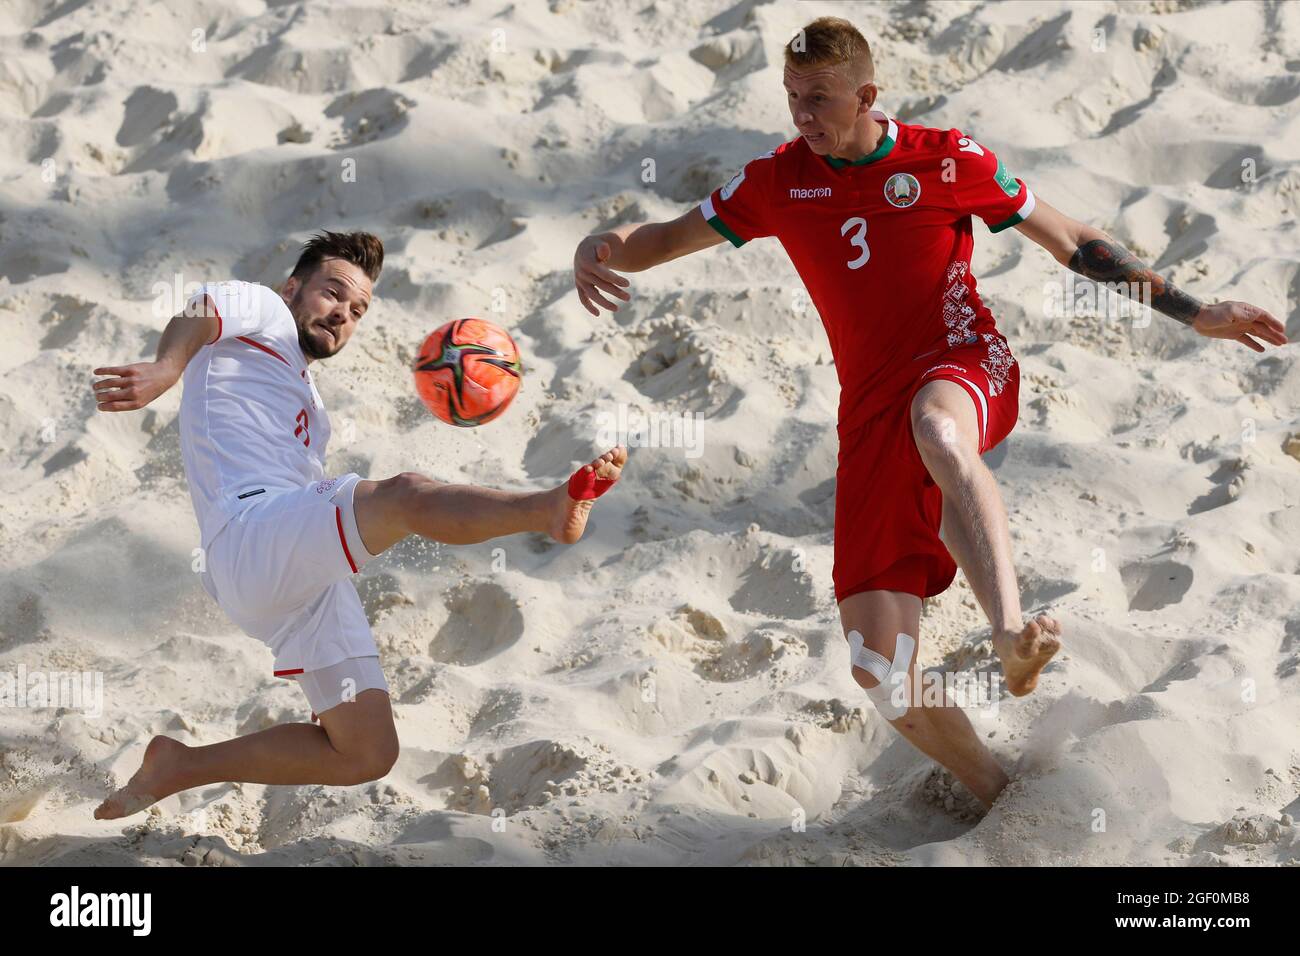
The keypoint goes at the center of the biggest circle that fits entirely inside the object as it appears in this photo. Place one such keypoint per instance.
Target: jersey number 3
(301, 430)
(858, 240)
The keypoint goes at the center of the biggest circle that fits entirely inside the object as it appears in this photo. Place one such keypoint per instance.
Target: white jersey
(251, 420)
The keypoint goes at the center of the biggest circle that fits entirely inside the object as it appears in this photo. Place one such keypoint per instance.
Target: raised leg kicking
(357, 741)
(945, 429)
(279, 538)
(976, 531)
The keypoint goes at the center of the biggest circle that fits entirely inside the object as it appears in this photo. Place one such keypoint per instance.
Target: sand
(675, 689)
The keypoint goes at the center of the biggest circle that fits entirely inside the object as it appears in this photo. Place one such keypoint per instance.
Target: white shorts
(341, 682)
(279, 569)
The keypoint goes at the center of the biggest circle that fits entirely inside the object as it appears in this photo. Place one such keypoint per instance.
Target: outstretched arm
(1091, 253)
(135, 386)
(634, 248)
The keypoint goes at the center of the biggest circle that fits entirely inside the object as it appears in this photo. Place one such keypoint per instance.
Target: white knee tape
(891, 696)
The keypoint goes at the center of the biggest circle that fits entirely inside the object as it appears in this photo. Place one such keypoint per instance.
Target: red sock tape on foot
(584, 485)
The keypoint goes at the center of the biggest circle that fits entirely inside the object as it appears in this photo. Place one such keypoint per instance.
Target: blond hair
(832, 42)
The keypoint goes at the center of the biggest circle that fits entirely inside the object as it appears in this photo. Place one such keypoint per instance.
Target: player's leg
(355, 742)
(875, 624)
(948, 430)
(411, 503)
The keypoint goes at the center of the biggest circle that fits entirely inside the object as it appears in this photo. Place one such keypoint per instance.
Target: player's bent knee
(884, 679)
(378, 765)
(373, 763)
(937, 434)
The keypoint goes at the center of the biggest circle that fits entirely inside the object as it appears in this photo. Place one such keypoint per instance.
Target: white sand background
(675, 689)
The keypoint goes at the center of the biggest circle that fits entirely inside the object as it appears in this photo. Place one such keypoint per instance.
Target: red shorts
(887, 507)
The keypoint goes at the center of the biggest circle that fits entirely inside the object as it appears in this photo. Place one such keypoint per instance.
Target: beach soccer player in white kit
(280, 538)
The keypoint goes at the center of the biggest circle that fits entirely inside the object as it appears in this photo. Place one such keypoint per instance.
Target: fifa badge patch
(1004, 179)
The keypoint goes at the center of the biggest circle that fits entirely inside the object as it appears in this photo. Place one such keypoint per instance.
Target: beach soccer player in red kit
(876, 216)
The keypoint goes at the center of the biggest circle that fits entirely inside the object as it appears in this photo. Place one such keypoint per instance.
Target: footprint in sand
(484, 620)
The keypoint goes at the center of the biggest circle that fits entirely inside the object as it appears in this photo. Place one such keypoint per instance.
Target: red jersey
(883, 246)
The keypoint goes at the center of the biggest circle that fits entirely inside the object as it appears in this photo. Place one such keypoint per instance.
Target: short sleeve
(241, 307)
(984, 187)
(740, 209)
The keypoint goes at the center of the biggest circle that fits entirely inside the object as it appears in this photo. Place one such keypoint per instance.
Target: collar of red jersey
(882, 149)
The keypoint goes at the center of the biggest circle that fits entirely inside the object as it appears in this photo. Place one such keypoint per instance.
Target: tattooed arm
(1092, 253)
(1105, 260)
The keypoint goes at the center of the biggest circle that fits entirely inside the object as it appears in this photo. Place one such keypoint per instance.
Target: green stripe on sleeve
(1007, 223)
(717, 223)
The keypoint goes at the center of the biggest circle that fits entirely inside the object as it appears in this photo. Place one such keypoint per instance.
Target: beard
(309, 345)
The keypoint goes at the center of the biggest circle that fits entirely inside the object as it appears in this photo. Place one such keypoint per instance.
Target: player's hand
(131, 386)
(592, 277)
(1239, 321)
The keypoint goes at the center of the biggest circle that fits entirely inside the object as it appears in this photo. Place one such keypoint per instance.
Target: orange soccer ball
(468, 371)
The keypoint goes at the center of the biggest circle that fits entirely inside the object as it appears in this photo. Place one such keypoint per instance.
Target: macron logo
(819, 192)
(103, 909)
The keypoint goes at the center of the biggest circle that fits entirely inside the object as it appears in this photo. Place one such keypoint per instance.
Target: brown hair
(832, 41)
(362, 249)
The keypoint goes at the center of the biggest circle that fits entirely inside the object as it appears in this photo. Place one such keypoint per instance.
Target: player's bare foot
(154, 780)
(591, 481)
(1025, 654)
